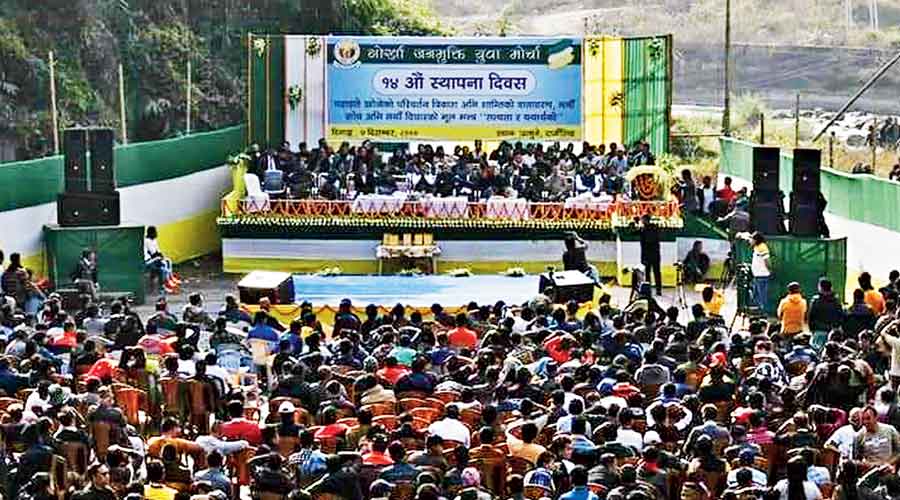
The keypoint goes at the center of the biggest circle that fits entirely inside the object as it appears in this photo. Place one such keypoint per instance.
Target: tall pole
(797, 122)
(122, 121)
(848, 6)
(726, 113)
(762, 128)
(873, 138)
(189, 88)
(54, 115)
(831, 150)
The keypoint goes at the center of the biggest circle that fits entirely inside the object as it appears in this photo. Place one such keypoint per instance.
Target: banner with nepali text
(453, 88)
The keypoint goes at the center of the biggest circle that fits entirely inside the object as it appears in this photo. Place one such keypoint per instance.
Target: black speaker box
(277, 287)
(765, 168)
(807, 167)
(804, 217)
(563, 286)
(75, 159)
(102, 167)
(766, 216)
(88, 209)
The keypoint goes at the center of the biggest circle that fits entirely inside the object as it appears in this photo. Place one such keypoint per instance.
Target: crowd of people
(530, 171)
(533, 400)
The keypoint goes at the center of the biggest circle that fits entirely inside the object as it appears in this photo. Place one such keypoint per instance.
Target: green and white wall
(174, 184)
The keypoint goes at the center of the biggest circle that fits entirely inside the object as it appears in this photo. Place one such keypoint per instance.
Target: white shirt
(36, 401)
(564, 425)
(811, 490)
(759, 477)
(151, 247)
(758, 263)
(449, 428)
(709, 196)
(842, 439)
(630, 437)
(210, 443)
(894, 342)
(569, 397)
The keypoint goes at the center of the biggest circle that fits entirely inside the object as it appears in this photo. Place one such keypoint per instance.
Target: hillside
(153, 40)
(794, 22)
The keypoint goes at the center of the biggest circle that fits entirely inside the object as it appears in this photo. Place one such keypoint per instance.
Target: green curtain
(647, 90)
(267, 92)
(120, 255)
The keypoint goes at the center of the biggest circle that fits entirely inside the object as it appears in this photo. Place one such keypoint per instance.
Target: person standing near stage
(760, 268)
(650, 254)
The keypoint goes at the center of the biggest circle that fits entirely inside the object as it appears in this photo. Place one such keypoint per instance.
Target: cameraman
(575, 257)
(695, 264)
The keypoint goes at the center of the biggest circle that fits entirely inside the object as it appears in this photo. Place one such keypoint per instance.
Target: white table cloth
(454, 207)
(589, 202)
(378, 204)
(507, 208)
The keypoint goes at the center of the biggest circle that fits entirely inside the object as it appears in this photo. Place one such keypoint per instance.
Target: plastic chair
(260, 350)
(257, 200)
(273, 183)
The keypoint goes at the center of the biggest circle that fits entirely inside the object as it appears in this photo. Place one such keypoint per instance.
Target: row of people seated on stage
(530, 171)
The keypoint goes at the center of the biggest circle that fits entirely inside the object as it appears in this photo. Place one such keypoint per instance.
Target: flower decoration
(294, 96)
(260, 45)
(313, 46)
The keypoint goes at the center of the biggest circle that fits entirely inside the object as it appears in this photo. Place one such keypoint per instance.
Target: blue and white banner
(453, 88)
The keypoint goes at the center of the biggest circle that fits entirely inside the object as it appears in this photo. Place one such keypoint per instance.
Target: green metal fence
(35, 182)
(858, 197)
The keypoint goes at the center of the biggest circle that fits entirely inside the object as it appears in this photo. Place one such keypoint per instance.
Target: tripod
(680, 298)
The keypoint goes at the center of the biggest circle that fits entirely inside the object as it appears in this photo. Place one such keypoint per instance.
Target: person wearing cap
(471, 482)
(792, 311)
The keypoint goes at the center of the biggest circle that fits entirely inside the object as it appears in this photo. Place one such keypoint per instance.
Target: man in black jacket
(825, 313)
(650, 254)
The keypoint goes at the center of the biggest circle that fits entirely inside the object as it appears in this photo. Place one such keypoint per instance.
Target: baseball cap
(287, 407)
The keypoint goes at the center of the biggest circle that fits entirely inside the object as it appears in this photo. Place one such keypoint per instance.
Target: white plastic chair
(260, 350)
(257, 200)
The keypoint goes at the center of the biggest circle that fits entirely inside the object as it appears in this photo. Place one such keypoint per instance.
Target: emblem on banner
(346, 52)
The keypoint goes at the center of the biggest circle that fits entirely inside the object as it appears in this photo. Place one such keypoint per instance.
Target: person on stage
(575, 257)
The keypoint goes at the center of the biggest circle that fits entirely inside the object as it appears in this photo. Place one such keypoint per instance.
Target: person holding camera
(650, 253)
(695, 264)
(575, 257)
